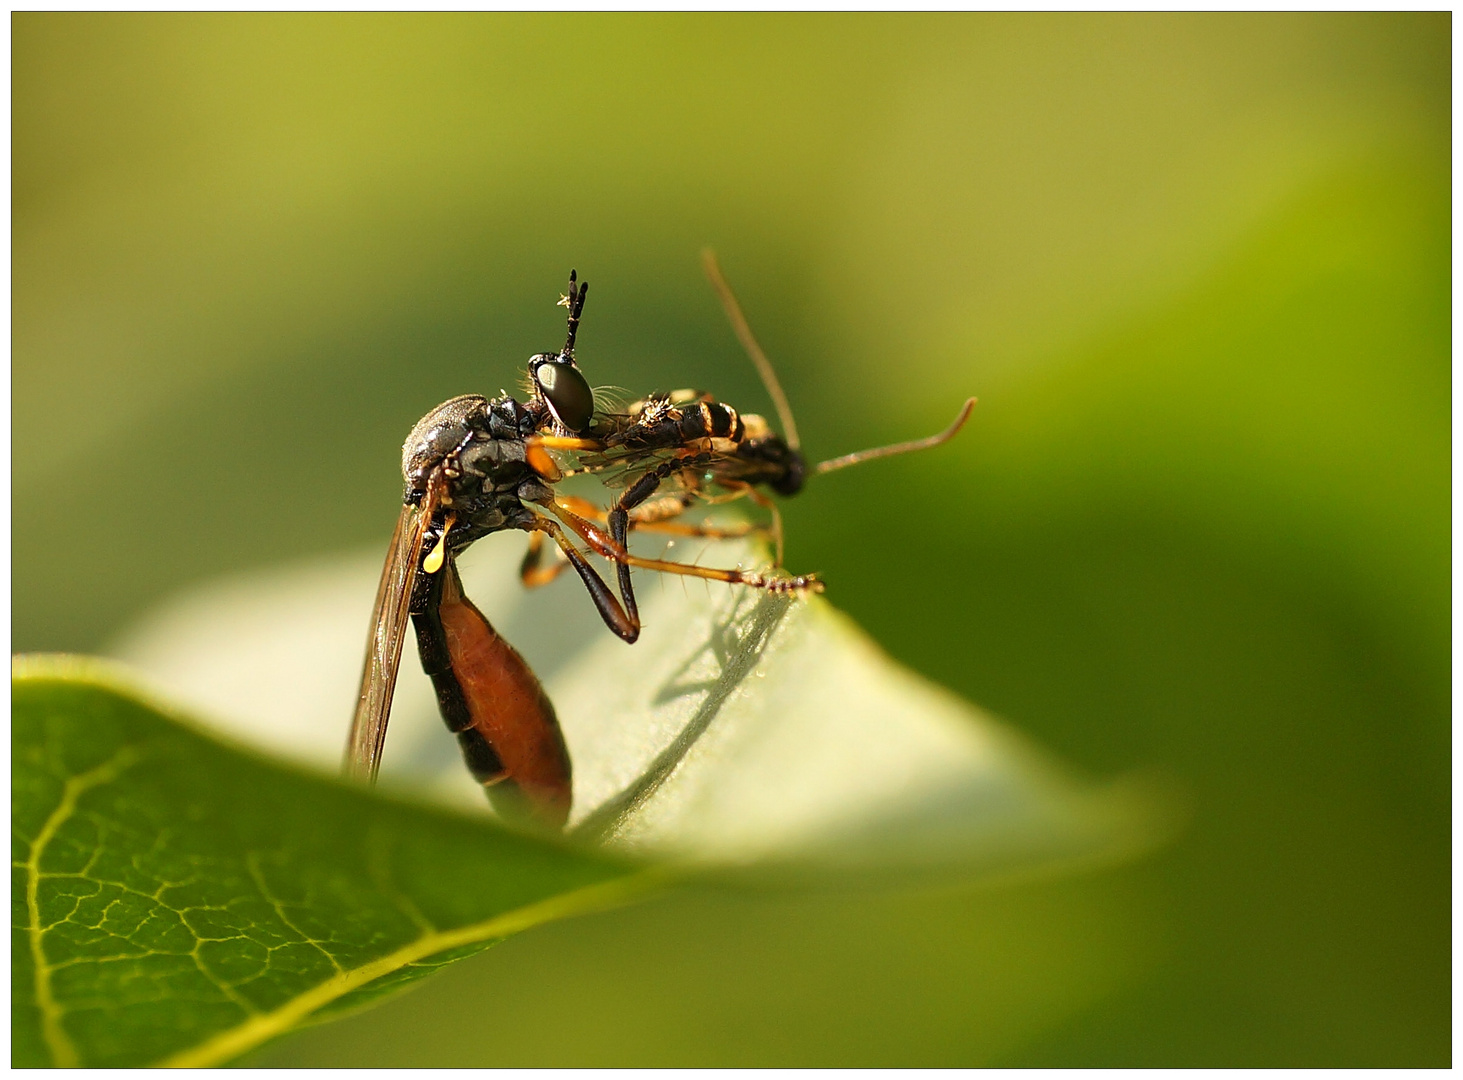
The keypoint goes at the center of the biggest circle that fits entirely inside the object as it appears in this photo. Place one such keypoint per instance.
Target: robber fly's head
(559, 384)
(555, 378)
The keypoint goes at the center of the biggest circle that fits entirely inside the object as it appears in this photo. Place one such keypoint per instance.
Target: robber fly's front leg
(625, 624)
(618, 517)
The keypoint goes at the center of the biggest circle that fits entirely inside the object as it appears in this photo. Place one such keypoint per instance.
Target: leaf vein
(225, 987)
(258, 1029)
(257, 873)
(58, 1043)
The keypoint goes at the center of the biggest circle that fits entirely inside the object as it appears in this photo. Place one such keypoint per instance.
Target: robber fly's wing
(383, 647)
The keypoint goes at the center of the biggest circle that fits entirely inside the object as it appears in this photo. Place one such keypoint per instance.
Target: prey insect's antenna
(899, 448)
(575, 303)
(744, 335)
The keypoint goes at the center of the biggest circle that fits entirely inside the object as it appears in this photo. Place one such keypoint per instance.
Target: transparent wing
(383, 647)
(620, 466)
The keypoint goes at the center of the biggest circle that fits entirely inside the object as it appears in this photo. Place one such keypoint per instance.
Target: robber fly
(474, 466)
(709, 453)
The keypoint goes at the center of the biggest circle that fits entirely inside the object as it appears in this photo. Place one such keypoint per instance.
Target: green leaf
(743, 732)
(179, 902)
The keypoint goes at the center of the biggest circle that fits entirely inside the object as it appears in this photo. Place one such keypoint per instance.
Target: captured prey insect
(708, 452)
(474, 466)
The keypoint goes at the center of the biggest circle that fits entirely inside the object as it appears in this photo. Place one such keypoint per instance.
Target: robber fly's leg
(625, 625)
(619, 523)
(583, 510)
(536, 452)
(658, 516)
(532, 571)
(583, 507)
(563, 442)
(619, 515)
(799, 584)
(605, 546)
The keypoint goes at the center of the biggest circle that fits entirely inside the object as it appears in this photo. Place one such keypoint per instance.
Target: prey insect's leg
(771, 507)
(734, 531)
(662, 509)
(741, 490)
(606, 547)
(655, 517)
(736, 489)
(626, 626)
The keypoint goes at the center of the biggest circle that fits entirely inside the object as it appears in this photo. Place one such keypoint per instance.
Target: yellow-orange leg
(737, 489)
(532, 571)
(626, 625)
(604, 545)
(536, 452)
(655, 518)
(559, 442)
(740, 490)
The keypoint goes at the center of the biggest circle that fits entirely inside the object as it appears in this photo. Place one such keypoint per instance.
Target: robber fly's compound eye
(565, 389)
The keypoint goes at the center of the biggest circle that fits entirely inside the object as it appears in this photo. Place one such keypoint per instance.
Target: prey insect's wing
(388, 631)
(619, 466)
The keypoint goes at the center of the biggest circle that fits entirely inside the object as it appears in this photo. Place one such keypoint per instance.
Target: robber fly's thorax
(480, 448)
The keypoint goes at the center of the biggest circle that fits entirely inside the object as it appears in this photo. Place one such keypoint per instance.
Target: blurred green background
(1197, 268)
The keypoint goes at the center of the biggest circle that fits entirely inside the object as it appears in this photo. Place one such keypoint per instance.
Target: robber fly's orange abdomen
(508, 710)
